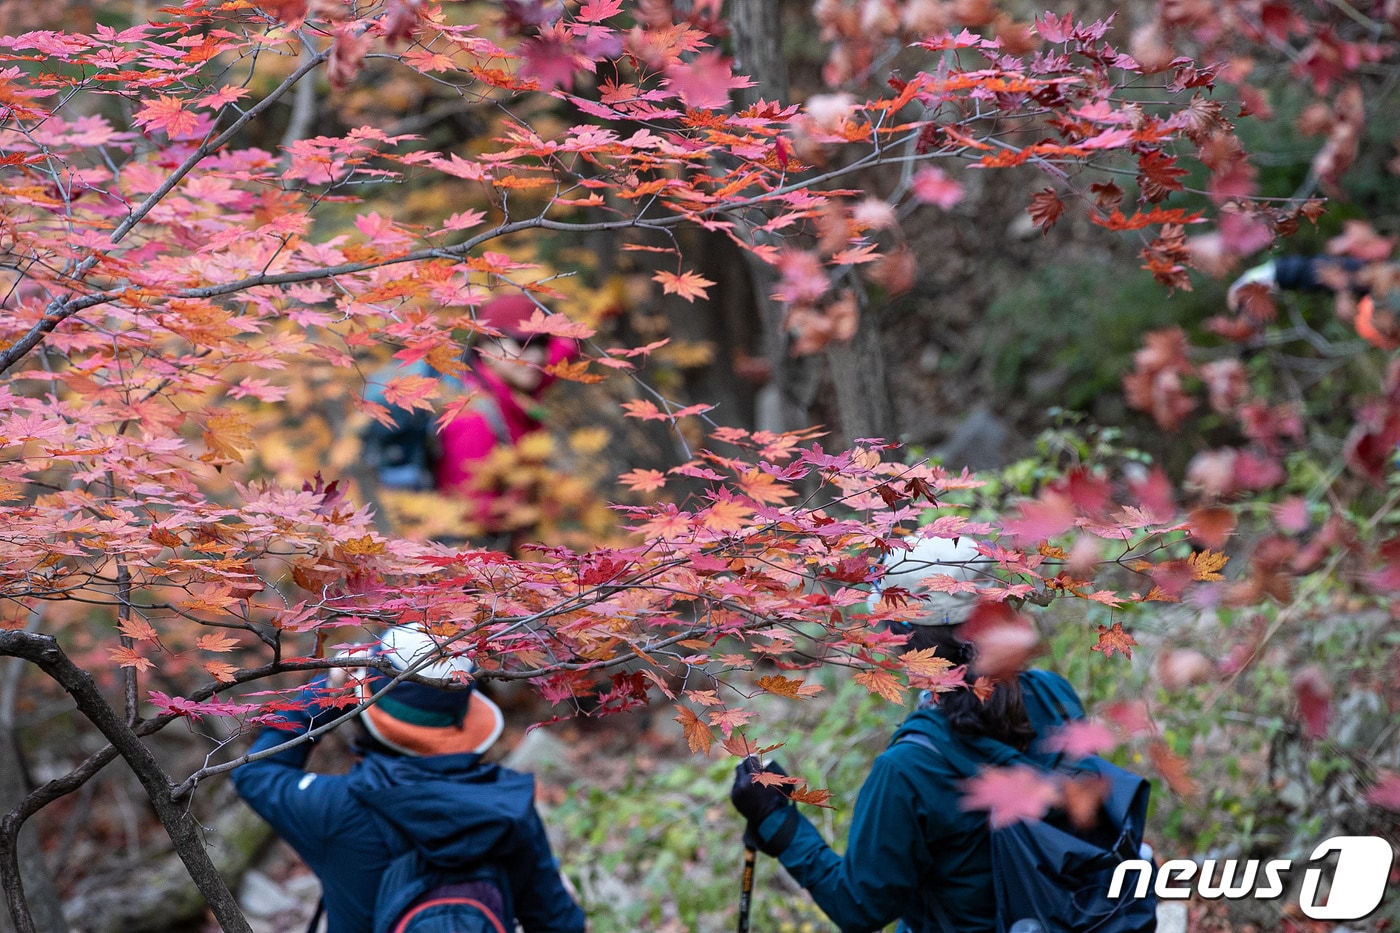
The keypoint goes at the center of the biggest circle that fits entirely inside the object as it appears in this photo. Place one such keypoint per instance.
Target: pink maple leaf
(931, 185)
(1386, 793)
(550, 59)
(1010, 795)
(595, 11)
(1050, 515)
(705, 83)
(1080, 739)
(803, 278)
(1154, 495)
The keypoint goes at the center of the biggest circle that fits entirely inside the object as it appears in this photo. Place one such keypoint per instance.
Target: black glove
(756, 802)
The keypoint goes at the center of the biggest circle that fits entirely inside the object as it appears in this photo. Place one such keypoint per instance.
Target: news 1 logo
(1357, 884)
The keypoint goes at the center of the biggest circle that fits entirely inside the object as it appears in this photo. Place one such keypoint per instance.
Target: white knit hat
(417, 719)
(931, 557)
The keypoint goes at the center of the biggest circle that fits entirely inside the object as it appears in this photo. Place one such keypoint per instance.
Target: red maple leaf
(1314, 696)
(1050, 515)
(551, 59)
(1386, 793)
(1158, 175)
(1045, 208)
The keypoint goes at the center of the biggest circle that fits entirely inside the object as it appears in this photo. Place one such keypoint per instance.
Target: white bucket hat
(932, 557)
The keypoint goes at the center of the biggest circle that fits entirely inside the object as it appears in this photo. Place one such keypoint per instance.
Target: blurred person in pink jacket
(508, 375)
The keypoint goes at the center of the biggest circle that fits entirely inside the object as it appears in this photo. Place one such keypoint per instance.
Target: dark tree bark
(864, 407)
(758, 53)
(44, 904)
(863, 400)
(757, 31)
(158, 893)
(43, 651)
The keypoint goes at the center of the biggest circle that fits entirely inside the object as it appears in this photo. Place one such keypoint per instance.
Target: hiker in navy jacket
(913, 853)
(421, 787)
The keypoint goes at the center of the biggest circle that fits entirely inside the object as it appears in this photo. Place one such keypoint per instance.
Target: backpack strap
(940, 916)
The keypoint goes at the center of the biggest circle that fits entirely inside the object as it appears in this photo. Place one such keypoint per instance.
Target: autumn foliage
(166, 280)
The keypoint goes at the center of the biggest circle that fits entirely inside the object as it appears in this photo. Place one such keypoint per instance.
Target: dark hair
(1002, 716)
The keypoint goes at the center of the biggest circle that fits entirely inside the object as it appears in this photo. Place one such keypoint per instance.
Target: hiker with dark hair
(507, 372)
(421, 834)
(914, 854)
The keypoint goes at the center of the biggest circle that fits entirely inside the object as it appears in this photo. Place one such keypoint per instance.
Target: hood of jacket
(454, 810)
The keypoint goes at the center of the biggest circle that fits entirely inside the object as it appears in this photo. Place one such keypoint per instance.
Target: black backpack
(400, 454)
(1048, 872)
(403, 455)
(416, 898)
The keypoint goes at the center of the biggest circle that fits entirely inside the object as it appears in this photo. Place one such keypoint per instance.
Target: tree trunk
(158, 893)
(44, 904)
(758, 53)
(757, 31)
(43, 651)
(863, 401)
(857, 369)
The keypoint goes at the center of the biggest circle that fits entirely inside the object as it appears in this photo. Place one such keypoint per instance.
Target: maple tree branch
(61, 309)
(123, 620)
(44, 652)
(210, 146)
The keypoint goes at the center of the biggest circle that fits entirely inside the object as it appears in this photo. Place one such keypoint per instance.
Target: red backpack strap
(407, 918)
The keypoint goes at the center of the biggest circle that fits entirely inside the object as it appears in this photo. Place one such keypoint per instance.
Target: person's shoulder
(924, 742)
(1053, 692)
(1048, 680)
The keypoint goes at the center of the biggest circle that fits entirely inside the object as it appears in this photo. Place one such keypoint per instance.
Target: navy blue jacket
(913, 853)
(456, 809)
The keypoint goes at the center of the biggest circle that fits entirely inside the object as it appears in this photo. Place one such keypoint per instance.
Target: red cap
(507, 313)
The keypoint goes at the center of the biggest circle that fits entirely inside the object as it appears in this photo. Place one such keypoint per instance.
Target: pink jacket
(470, 437)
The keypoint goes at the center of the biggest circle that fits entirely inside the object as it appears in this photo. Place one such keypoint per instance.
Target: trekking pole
(746, 888)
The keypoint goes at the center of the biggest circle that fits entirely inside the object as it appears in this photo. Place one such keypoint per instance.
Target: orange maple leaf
(227, 434)
(697, 734)
(726, 516)
(764, 488)
(1114, 639)
(577, 371)
(643, 480)
(789, 687)
(1172, 768)
(815, 798)
(167, 113)
(644, 409)
(216, 642)
(667, 524)
(883, 683)
(138, 629)
(1206, 565)
(127, 657)
(222, 672)
(688, 285)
